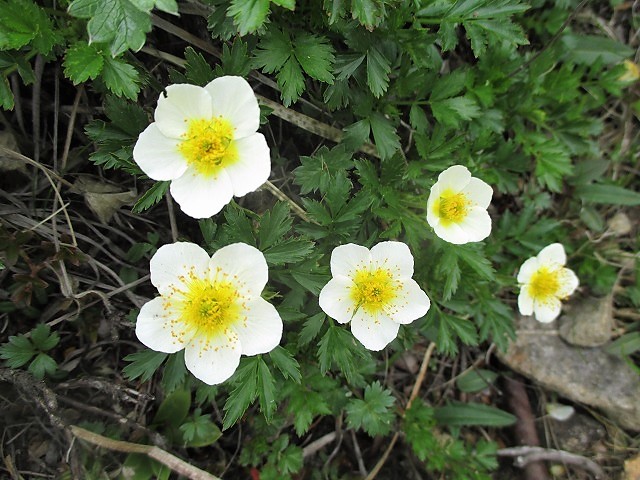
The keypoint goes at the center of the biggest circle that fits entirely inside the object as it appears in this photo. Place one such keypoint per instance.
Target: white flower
(211, 307)
(204, 140)
(544, 282)
(457, 206)
(374, 290)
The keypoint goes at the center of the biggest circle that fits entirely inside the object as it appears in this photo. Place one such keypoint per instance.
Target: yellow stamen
(544, 284)
(208, 145)
(210, 307)
(452, 207)
(373, 290)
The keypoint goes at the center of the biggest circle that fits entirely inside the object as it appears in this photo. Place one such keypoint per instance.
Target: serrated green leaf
(127, 116)
(121, 78)
(43, 339)
(373, 414)
(18, 351)
(120, 24)
(248, 15)
(197, 70)
(315, 55)
(288, 4)
(151, 197)
(291, 250)
(21, 22)
(246, 390)
(274, 224)
(339, 346)
(175, 372)
(291, 81)
(266, 390)
(378, 69)
(169, 6)
(588, 49)
(418, 426)
(452, 111)
(82, 62)
(385, 137)
(235, 60)
(311, 328)
(369, 13)
(41, 365)
(459, 414)
(143, 364)
(285, 362)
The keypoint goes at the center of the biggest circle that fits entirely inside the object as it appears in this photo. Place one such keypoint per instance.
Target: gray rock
(589, 322)
(585, 375)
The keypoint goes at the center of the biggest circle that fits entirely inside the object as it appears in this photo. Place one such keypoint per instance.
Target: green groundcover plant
(432, 169)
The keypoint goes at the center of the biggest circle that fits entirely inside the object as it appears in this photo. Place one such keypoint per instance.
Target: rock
(585, 375)
(580, 433)
(632, 468)
(620, 224)
(589, 322)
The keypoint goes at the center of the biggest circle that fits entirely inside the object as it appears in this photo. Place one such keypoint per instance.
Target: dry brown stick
(525, 428)
(525, 455)
(414, 393)
(174, 463)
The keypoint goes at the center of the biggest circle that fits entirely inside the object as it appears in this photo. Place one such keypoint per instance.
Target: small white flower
(204, 140)
(457, 206)
(211, 307)
(544, 282)
(374, 290)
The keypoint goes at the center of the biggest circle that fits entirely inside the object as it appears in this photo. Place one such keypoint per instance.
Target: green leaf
(143, 364)
(43, 339)
(373, 414)
(452, 111)
(378, 69)
(418, 426)
(22, 22)
(625, 345)
(234, 60)
(589, 49)
(127, 116)
(384, 134)
(369, 13)
(340, 347)
(6, 95)
(266, 390)
(477, 261)
(274, 224)
(475, 380)
(459, 414)
(173, 409)
(248, 15)
(18, 351)
(41, 365)
(285, 362)
(120, 24)
(288, 4)
(121, 78)
(305, 405)
(319, 171)
(175, 372)
(291, 250)
(200, 431)
(315, 55)
(197, 70)
(246, 390)
(151, 197)
(608, 194)
(82, 62)
(311, 328)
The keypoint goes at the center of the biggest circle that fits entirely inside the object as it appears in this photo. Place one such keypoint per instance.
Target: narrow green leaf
(459, 414)
(151, 197)
(608, 194)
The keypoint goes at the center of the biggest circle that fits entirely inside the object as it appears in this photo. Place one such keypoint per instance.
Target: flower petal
(451, 233)
(478, 192)
(548, 310)
(201, 196)
(159, 330)
(568, 282)
(245, 266)
(346, 259)
(261, 330)
(157, 155)
(374, 333)
(173, 262)
(553, 255)
(213, 360)
(181, 103)
(335, 299)
(527, 269)
(477, 224)
(234, 100)
(393, 256)
(253, 167)
(410, 304)
(525, 302)
(455, 178)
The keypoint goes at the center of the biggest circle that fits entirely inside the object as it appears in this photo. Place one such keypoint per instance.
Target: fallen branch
(526, 455)
(174, 463)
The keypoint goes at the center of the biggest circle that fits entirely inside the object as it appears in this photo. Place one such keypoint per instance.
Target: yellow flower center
(208, 145)
(544, 283)
(373, 290)
(452, 207)
(210, 307)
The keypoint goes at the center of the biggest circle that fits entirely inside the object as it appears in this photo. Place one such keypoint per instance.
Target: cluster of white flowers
(205, 141)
